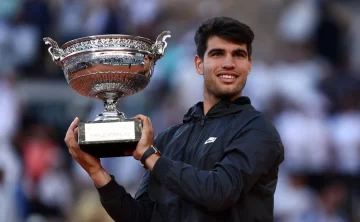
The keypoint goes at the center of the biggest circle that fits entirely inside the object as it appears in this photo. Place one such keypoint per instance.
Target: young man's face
(225, 68)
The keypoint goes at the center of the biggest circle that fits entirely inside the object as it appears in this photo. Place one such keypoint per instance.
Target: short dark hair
(226, 28)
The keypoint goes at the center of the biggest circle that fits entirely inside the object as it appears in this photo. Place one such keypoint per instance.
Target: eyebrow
(223, 50)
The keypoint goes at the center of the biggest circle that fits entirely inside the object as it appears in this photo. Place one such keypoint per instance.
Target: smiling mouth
(224, 76)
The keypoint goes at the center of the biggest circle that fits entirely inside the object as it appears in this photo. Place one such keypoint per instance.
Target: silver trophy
(108, 67)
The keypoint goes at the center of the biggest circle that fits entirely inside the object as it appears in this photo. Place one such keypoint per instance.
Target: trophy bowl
(108, 67)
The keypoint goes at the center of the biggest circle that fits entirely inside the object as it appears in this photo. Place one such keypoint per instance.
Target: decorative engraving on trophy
(111, 106)
(92, 64)
(112, 42)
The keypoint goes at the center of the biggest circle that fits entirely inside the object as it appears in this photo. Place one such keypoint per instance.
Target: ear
(199, 65)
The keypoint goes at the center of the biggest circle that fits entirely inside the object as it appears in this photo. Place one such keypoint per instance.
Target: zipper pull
(202, 120)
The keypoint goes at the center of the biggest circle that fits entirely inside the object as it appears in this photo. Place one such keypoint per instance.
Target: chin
(224, 92)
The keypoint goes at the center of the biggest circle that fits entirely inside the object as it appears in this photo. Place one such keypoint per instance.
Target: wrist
(151, 161)
(100, 177)
(149, 157)
(142, 153)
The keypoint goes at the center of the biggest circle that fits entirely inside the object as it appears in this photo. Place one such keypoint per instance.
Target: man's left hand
(147, 136)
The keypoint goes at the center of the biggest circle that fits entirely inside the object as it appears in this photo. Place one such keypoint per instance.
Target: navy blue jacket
(218, 167)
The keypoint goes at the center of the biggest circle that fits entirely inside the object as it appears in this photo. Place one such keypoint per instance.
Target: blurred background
(305, 78)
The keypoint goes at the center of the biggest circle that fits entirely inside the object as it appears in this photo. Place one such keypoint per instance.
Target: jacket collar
(222, 108)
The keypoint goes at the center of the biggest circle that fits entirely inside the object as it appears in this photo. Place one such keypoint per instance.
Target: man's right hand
(88, 162)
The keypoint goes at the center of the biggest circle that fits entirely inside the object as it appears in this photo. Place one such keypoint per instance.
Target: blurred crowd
(305, 78)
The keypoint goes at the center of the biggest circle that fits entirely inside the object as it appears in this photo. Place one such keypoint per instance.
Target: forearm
(213, 190)
(197, 186)
(120, 205)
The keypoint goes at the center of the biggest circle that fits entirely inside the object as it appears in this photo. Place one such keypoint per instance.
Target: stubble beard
(228, 93)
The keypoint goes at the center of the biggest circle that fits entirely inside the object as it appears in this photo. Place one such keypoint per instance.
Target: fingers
(71, 135)
(76, 134)
(147, 126)
(128, 152)
(74, 124)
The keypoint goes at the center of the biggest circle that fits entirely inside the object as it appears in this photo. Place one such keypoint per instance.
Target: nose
(228, 63)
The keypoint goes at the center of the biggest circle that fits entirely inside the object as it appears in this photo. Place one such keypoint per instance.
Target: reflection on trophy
(108, 67)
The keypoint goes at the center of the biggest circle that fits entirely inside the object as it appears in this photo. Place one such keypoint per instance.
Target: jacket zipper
(202, 123)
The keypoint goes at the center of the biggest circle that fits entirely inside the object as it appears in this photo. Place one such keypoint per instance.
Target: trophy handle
(54, 50)
(160, 45)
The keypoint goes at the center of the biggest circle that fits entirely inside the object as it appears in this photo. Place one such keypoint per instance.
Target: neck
(210, 100)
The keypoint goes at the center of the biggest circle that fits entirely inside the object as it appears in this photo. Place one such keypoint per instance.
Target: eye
(217, 54)
(239, 54)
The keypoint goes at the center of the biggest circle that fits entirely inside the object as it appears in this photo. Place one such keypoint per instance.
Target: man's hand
(88, 162)
(147, 136)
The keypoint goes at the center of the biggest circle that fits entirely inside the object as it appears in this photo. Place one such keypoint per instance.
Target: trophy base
(109, 138)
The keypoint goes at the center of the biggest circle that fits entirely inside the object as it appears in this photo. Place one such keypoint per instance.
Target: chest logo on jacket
(210, 140)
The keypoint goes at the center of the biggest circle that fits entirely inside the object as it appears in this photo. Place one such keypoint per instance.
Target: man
(220, 164)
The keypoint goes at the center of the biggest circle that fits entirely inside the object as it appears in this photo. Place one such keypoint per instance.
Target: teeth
(227, 76)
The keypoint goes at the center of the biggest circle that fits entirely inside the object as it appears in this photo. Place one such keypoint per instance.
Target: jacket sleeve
(121, 206)
(245, 160)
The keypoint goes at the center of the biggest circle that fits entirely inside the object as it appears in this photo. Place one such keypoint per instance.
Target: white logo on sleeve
(210, 140)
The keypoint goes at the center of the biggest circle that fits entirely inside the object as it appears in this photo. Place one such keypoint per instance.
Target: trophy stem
(110, 112)
(110, 105)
